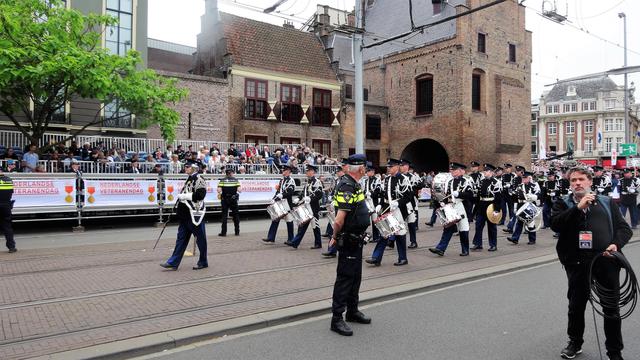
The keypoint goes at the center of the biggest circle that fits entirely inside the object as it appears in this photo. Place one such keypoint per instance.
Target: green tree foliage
(50, 54)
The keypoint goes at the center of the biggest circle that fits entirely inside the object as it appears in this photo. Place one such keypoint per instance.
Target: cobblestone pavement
(61, 298)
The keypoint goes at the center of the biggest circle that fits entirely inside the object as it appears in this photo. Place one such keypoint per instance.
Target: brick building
(282, 88)
(459, 91)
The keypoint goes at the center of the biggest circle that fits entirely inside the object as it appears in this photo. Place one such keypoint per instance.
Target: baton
(165, 224)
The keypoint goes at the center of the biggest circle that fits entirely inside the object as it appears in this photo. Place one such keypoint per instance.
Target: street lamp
(623, 16)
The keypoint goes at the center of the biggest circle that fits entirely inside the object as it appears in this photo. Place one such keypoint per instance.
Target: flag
(600, 137)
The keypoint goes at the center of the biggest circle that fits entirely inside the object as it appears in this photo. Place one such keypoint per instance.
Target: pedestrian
(229, 192)
(6, 204)
(190, 213)
(352, 220)
(589, 225)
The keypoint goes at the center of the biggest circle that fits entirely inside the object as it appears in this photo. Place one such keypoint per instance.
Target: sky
(590, 42)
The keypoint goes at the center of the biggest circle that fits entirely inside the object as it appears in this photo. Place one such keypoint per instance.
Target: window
(373, 156)
(476, 88)
(482, 43)
(116, 116)
(574, 107)
(437, 7)
(619, 125)
(607, 144)
(348, 91)
(424, 95)
(556, 109)
(589, 106)
(609, 103)
(549, 109)
(373, 127)
(119, 36)
(512, 52)
(255, 93)
(588, 144)
(289, 141)
(534, 116)
(256, 139)
(618, 143)
(321, 108)
(290, 109)
(534, 130)
(552, 128)
(365, 94)
(608, 124)
(534, 147)
(321, 146)
(570, 127)
(592, 105)
(566, 108)
(588, 126)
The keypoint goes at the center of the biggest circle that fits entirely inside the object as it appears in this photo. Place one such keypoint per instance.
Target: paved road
(520, 315)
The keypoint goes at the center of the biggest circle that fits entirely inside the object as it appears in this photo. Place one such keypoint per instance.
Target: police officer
(191, 210)
(6, 204)
(629, 186)
(229, 192)
(489, 192)
(550, 193)
(513, 197)
(352, 220)
(284, 190)
(458, 188)
(526, 192)
(373, 190)
(311, 194)
(601, 182)
(507, 205)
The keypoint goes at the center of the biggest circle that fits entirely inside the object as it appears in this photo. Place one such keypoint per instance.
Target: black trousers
(349, 276)
(233, 206)
(607, 273)
(5, 224)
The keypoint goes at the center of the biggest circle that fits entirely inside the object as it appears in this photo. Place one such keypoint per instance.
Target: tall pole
(626, 88)
(357, 58)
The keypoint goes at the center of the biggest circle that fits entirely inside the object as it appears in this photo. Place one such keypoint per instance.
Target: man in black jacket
(589, 225)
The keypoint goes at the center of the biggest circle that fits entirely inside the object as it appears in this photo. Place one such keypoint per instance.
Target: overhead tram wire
(602, 13)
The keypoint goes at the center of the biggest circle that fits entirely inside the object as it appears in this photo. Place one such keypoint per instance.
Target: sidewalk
(63, 298)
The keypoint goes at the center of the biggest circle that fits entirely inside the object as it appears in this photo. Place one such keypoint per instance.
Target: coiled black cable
(608, 298)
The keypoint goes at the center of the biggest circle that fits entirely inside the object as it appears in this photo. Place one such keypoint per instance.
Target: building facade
(586, 117)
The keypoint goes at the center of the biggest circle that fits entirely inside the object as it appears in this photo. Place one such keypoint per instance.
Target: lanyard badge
(585, 240)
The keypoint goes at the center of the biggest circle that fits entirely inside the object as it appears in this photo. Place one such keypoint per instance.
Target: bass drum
(439, 185)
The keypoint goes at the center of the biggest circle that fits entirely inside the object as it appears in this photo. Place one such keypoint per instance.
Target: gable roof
(276, 48)
(585, 89)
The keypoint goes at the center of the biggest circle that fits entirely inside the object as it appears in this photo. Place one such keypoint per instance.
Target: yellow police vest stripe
(357, 197)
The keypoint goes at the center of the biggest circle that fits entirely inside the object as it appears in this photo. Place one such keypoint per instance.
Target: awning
(590, 162)
(620, 164)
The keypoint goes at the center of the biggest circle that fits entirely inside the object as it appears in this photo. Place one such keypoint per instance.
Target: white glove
(279, 197)
(272, 202)
(507, 186)
(553, 193)
(368, 195)
(532, 197)
(455, 193)
(187, 196)
(307, 199)
(378, 208)
(600, 189)
(632, 191)
(393, 204)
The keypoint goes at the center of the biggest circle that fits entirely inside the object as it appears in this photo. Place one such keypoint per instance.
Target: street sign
(628, 150)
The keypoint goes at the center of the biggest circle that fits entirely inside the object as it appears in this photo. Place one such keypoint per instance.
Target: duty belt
(627, 193)
(486, 199)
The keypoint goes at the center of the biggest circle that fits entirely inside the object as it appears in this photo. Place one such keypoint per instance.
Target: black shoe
(12, 250)
(507, 231)
(544, 227)
(556, 235)
(289, 244)
(169, 266)
(413, 246)
(237, 233)
(316, 247)
(464, 254)
(429, 224)
(511, 240)
(268, 241)
(571, 351)
(221, 234)
(401, 263)
(391, 245)
(326, 235)
(341, 327)
(437, 251)
(329, 254)
(615, 356)
(372, 262)
(200, 267)
(358, 317)
(476, 248)
(531, 243)
(373, 241)
(493, 248)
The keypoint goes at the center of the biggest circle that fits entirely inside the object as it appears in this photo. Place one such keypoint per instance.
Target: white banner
(120, 192)
(252, 191)
(44, 192)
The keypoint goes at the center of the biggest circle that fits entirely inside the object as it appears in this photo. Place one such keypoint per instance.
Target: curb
(168, 340)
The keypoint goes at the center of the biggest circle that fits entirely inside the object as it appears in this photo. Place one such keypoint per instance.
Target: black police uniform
(350, 198)
(550, 193)
(6, 204)
(229, 201)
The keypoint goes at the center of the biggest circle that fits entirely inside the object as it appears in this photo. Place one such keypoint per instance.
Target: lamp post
(623, 16)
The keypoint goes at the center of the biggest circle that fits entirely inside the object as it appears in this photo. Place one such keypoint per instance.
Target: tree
(50, 54)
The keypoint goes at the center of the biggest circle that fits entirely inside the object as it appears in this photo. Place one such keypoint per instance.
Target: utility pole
(623, 16)
(357, 58)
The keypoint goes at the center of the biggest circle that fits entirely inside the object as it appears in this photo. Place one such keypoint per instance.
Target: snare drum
(389, 225)
(302, 213)
(527, 212)
(278, 209)
(448, 216)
